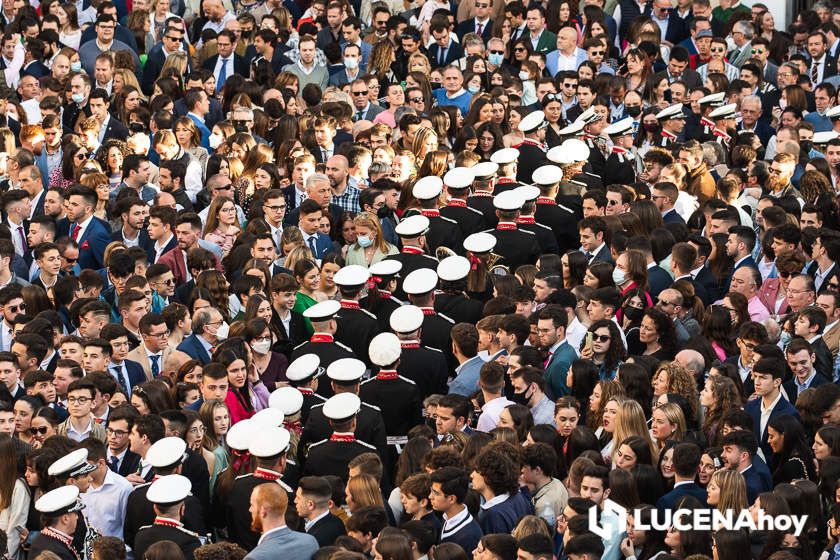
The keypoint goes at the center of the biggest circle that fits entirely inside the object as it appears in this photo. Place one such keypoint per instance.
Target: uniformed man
(420, 286)
(273, 417)
(166, 457)
(382, 283)
(515, 246)
(481, 199)
(724, 119)
(412, 232)
(558, 218)
(593, 125)
(303, 375)
(526, 221)
(507, 159)
(700, 127)
(820, 140)
(59, 510)
(331, 455)
(398, 398)
(345, 376)
(672, 122)
(452, 300)
(532, 148)
(356, 326)
(458, 182)
(167, 493)
(268, 448)
(424, 365)
(73, 469)
(322, 315)
(443, 232)
(572, 156)
(624, 164)
(289, 401)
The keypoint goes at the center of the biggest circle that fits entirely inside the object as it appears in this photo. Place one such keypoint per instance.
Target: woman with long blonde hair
(667, 423)
(382, 56)
(362, 491)
(370, 246)
(425, 141)
(727, 491)
(630, 421)
(604, 392)
(435, 163)
(243, 187)
(189, 138)
(222, 225)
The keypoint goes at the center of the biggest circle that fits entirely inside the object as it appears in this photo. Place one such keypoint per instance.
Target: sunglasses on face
(16, 308)
(718, 50)
(36, 431)
(519, 49)
(497, 52)
(601, 337)
(360, 93)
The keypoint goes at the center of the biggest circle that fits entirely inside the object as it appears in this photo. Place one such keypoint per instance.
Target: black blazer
(240, 65)
(468, 26)
(129, 464)
(789, 387)
(327, 529)
(453, 53)
(116, 129)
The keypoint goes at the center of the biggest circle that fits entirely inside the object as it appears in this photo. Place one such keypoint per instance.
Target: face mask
(216, 140)
(784, 338)
(650, 127)
(495, 59)
(473, 89)
(435, 85)
(633, 313)
(805, 147)
(364, 241)
(222, 332)
(351, 63)
(383, 213)
(261, 346)
(633, 110)
(75, 66)
(520, 398)
(524, 76)
(78, 97)
(619, 277)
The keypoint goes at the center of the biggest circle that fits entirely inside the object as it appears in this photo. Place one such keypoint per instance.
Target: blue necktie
(114, 464)
(222, 76)
(312, 246)
(155, 365)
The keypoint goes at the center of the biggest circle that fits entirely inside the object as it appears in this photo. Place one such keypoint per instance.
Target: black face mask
(633, 313)
(805, 147)
(436, 85)
(521, 398)
(633, 110)
(383, 212)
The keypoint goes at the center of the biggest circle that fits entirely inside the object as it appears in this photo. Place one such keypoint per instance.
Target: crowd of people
(427, 280)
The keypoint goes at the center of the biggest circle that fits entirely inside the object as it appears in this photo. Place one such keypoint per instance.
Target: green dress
(302, 303)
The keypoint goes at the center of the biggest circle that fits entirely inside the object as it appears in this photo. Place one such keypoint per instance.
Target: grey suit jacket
(743, 55)
(286, 544)
(372, 110)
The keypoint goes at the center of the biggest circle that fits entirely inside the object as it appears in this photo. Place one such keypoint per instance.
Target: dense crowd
(426, 280)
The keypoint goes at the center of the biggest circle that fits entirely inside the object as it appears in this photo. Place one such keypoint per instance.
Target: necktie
(114, 464)
(117, 371)
(360, 115)
(478, 29)
(312, 246)
(815, 72)
(74, 235)
(22, 238)
(155, 365)
(442, 56)
(545, 363)
(222, 75)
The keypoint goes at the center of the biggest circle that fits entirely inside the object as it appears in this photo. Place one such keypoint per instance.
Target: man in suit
(592, 231)
(110, 127)
(208, 329)
(481, 24)
(351, 31)
(363, 109)
(664, 195)
(154, 350)
(172, 42)
(352, 67)
(126, 371)
(89, 232)
(268, 510)
(801, 360)
(309, 220)
(542, 40)
(822, 65)
(119, 457)
(312, 501)
(739, 246)
(686, 462)
(568, 56)
(445, 50)
(197, 104)
(830, 303)
(227, 62)
(809, 325)
(265, 48)
(193, 81)
(551, 330)
(678, 69)
(767, 375)
(739, 449)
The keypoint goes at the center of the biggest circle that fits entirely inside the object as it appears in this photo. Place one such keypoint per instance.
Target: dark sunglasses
(69, 261)
(35, 431)
(360, 93)
(497, 52)
(601, 337)
(16, 308)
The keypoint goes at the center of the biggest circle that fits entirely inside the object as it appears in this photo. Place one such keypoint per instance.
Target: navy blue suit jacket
(672, 498)
(468, 26)
(143, 242)
(763, 130)
(194, 349)
(754, 408)
(150, 250)
(136, 375)
(92, 243)
(658, 280)
(672, 217)
(755, 484)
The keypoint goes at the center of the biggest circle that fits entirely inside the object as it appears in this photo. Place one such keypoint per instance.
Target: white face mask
(524, 76)
(216, 140)
(223, 330)
(261, 346)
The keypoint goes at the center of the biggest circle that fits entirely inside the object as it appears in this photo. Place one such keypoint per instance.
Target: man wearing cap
(593, 126)
(424, 365)
(269, 507)
(59, 510)
(420, 287)
(268, 449)
(356, 326)
(725, 122)
(302, 374)
(166, 456)
(508, 160)
(672, 121)
(412, 232)
(560, 219)
(527, 222)
(517, 247)
(453, 300)
(322, 342)
(398, 398)
(532, 148)
(483, 190)
(74, 470)
(458, 182)
(167, 493)
(623, 163)
(379, 299)
(330, 456)
(345, 376)
(701, 130)
(443, 232)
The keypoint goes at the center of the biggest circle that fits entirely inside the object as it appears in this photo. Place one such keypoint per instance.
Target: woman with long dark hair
(246, 393)
(792, 458)
(717, 328)
(14, 497)
(574, 268)
(657, 334)
(607, 351)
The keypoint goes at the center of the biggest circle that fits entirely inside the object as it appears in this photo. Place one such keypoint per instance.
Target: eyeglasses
(786, 274)
(80, 156)
(276, 208)
(601, 337)
(197, 430)
(775, 171)
(35, 431)
(159, 336)
(78, 400)
(118, 433)
(663, 302)
(416, 99)
(597, 53)
(360, 93)
(519, 49)
(16, 308)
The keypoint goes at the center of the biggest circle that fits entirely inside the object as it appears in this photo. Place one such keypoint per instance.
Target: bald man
(343, 194)
(268, 511)
(567, 56)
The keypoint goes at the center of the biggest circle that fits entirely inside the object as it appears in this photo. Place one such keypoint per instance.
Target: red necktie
(545, 363)
(75, 234)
